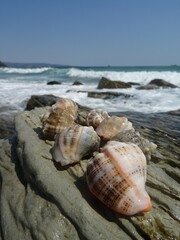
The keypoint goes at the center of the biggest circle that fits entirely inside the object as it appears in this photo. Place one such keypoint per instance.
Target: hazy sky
(90, 32)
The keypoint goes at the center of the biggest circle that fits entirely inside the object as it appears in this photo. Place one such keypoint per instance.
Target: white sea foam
(142, 77)
(16, 89)
(25, 70)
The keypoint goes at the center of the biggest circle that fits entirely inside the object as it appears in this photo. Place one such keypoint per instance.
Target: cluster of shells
(116, 173)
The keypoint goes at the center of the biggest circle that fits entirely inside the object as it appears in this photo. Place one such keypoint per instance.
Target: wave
(25, 70)
(142, 77)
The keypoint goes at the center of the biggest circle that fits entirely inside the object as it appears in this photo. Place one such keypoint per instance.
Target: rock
(148, 87)
(6, 125)
(53, 83)
(77, 83)
(40, 101)
(107, 83)
(41, 200)
(108, 95)
(156, 84)
(162, 83)
(175, 112)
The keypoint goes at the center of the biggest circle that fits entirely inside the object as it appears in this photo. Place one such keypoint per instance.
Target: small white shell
(117, 178)
(111, 126)
(74, 143)
(95, 117)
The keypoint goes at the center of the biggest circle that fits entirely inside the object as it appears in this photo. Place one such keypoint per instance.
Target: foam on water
(16, 89)
(25, 70)
(142, 77)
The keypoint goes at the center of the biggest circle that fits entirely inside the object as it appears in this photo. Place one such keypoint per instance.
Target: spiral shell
(62, 114)
(95, 117)
(111, 126)
(74, 143)
(117, 178)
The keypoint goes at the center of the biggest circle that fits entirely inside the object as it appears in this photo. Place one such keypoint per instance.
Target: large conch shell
(95, 117)
(117, 178)
(62, 114)
(111, 126)
(74, 143)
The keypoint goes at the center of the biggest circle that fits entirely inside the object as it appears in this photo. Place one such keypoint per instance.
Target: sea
(18, 82)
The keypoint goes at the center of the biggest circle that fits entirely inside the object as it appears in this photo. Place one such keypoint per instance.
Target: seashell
(111, 126)
(134, 137)
(95, 117)
(74, 143)
(117, 176)
(62, 115)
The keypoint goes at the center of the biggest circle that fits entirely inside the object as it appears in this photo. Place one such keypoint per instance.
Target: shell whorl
(62, 115)
(117, 177)
(74, 143)
(111, 126)
(95, 117)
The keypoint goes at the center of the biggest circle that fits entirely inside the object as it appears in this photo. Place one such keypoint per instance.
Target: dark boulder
(40, 101)
(108, 95)
(77, 83)
(53, 83)
(107, 83)
(162, 83)
(156, 84)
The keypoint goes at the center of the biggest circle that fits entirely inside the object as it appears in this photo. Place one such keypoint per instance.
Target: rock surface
(108, 95)
(156, 84)
(107, 83)
(53, 83)
(40, 101)
(41, 200)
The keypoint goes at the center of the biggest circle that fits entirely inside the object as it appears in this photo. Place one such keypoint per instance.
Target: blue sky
(91, 32)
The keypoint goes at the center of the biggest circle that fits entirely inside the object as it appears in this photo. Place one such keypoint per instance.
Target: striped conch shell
(95, 117)
(111, 126)
(74, 143)
(62, 114)
(117, 176)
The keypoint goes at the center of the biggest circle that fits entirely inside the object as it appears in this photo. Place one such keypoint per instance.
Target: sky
(90, 32)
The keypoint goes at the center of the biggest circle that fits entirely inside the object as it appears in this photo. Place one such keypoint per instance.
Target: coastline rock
(40, 101)
(162, 83)
(53, 83)
(156, 84)
(107, 83)
(108, 95)
(55, 203)
(6, 125)
(77, 83)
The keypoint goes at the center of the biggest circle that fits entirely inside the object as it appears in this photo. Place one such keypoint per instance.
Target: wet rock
(53, 83)
(156, 84)
(107, 83)
(6, 125)
(174, 112)
(162, 83)
(108, 95)
(55, 203)
(77, 83)
(40, 101)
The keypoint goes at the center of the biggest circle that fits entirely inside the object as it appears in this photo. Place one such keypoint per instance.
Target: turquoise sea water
(18, 82)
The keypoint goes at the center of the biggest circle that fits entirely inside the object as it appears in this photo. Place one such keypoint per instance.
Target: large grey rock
(41, 200)
(107, 83)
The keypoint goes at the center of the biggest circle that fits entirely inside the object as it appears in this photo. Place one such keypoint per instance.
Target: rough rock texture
(6, 125)
(41, 200)
(156, 84)
(107, 83)
(107, 95)
(40, 101)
